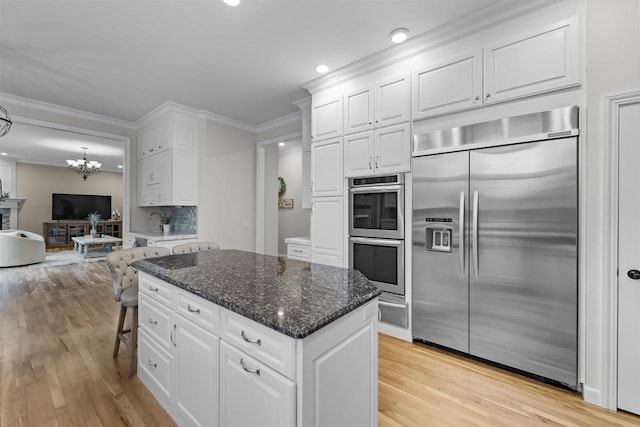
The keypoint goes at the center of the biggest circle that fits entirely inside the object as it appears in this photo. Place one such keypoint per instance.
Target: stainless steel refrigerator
(495, 246)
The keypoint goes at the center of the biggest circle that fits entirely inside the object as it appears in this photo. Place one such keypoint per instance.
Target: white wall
(292, 222)
(271, 200)
(613, 67)
(226, 186)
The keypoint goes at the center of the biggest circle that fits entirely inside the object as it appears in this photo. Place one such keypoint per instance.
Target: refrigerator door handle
(474, 233)
(461, 233)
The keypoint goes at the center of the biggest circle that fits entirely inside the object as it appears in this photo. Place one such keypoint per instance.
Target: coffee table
(107, 244)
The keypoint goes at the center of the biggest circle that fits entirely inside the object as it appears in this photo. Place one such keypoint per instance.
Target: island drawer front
(200, 311)
(270, 347)
(157, 289)
(250, 390)
(300, 252)
(156, 364)
(154, 319)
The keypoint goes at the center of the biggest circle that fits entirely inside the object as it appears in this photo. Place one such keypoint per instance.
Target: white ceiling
(122, 59)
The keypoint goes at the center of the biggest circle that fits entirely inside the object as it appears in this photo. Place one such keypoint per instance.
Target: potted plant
(165, 220)
(93, 218)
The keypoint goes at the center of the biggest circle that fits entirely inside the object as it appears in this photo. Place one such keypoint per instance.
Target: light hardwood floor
(57, 326)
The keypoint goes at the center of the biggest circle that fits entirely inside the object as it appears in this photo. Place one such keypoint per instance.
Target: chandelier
(5, 121)
(83, 167)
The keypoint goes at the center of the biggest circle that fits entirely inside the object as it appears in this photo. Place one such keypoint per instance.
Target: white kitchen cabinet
(383, 104)
(196, 373)
(452, 85)
(327, 235)
(252, 394)
(533, 62)
(327, 171)
(326, 118)
(306, 179)
(169, 243)
(168, 178)
(299, 251)
(383, 151)
(169, 129)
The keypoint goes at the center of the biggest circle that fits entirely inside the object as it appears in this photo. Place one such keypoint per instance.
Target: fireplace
(9, 213)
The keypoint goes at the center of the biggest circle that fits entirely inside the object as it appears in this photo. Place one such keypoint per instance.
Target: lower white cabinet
(214, 367)
(252, 394)
(196, 370)
(170, 243)
(327, 234)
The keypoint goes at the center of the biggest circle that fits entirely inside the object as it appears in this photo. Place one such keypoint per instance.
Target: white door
(629, 260)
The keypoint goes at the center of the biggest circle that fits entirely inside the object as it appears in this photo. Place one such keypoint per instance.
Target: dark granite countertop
(293, 297)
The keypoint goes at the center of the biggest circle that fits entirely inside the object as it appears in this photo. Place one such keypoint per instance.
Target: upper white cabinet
(451, 85)
(326, 118)
(384, 104)
(532, 63)
(327, 236)
(383, 151)
(327, 168)
(168, 159)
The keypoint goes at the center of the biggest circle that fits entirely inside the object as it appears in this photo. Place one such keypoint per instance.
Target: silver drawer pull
(151, 288)
(153, 322)
(251, 371)
(298, 250)
(150, 363)
(244, 337)
(192, 310)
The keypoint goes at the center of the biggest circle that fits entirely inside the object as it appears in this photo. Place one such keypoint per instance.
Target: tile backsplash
(184, 218)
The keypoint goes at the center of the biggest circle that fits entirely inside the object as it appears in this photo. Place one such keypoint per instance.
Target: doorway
(621, 304)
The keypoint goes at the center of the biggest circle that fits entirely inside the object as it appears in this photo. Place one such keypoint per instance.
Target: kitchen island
(232, 338)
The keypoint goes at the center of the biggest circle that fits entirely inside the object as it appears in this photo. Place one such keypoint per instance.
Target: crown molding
(281, 121)
(303, 103)
(58, 109)
(224, 120)
(465, 26)
(166, 107)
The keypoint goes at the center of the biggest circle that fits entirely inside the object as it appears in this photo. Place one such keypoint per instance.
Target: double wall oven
(376, 239)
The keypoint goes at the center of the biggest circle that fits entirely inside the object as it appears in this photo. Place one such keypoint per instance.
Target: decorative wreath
(283, 187)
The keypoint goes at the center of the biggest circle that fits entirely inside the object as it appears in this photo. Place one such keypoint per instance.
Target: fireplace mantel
(13, 205)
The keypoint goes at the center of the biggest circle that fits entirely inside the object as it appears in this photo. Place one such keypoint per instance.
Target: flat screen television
(78, 206)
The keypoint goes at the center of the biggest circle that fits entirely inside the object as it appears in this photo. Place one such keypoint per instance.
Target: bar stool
(185, 248)
(125, 291)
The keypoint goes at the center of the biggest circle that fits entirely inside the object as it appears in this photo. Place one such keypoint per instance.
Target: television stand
(59, 234)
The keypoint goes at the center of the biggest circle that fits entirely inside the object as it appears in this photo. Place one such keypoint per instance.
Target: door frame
(610, 200)
(260, 182)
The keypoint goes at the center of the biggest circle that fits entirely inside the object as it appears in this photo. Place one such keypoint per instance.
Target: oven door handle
(376, 189)
(377, 242)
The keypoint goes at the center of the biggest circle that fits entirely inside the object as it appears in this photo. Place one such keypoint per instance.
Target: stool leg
(116, 346)
(133, 341)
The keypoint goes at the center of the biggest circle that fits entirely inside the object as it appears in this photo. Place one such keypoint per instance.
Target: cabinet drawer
(300, 252)
(156, 364)
(155, 288)
(252, 393)
(155, 319)
(272, 348)
(200, 311)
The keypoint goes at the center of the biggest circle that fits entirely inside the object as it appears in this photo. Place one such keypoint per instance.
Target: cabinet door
(252, 394)
(196, 373)
(452, 85)
(326, 119)
(358, 154)
(306, 180)
(392, 149)
(153, 139)
(358, 111)
(327, 168)
(184, 178)
(327, 234)
(533, 63)
(184, 132)
(393, 101)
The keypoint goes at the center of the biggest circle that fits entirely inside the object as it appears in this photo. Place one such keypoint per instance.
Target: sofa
(19, 247)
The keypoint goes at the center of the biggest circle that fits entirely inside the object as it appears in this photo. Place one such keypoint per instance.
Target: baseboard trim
(592, 395)
(395, 331)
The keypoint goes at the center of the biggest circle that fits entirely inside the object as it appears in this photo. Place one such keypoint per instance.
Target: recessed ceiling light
(119, 166)
(232, 2)
(322, 68)
(399, 35)
(3, 154)
(281, 144)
